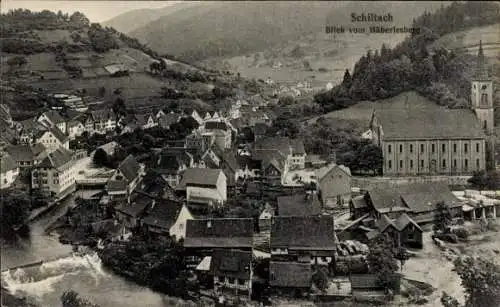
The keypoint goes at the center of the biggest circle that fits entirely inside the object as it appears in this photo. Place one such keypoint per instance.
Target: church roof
(481, 72)
(412, 116)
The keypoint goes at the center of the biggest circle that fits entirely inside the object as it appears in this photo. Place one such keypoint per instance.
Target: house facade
(57, 172)
(51, 119)
(52, 139)
(27, 156)
(204, 186)
(75, 128)
(334, 183)
(232, 271)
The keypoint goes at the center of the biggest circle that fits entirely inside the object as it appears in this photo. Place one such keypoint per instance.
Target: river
(84, 274)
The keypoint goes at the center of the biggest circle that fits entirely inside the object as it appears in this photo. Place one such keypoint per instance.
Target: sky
(96, 11)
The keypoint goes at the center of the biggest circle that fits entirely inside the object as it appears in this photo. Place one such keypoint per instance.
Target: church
(420, 138)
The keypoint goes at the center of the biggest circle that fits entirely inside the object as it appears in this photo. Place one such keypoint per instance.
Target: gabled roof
(269, 157)
(199, 177)
(129, 168)
(412, 116)
(54, 117)
(7, 163)
(359, 202)
(153, 184)
(142, 119)
(216, 125)
(57, 158)
(325, 170)
(231, 263)
(136, 208)
(102, 115)
(299, 205)
(290, 274)
(223, 233)
(303, 232)
(116, 186)
(163, 213)
(282, 144)
(383, 223)
(31, 125)
(404, 220)
(25, 152)
(56, 132)
(168, 119)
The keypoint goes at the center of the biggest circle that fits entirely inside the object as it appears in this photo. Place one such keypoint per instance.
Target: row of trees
(20, 20)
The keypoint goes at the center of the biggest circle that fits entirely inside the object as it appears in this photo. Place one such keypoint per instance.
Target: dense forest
(441, 75)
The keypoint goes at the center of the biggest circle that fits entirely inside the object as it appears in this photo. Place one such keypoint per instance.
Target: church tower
(482, 101)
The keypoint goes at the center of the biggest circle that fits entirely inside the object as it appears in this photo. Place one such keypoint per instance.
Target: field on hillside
(328, 55)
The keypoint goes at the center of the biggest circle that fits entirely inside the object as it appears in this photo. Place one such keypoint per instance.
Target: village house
(166, 120)
(145, 121)
(308, 239)
(8, 170)
(271, 165)
(52, 139)
(171, 162)
(51, 119)
(27, 156)
(57, 172)
(231, 271)
(200, 140)
(417, 199)
(130, 213)
(306, 204)
(130, 172)
(194, 115)
(334, 183)
(75, 128)
(204, 186)
(221, 131)
(159, 114)
(205, 235)
(292, 149)
(167, 218)
(100, 121)
(290, 278)
(156, 186)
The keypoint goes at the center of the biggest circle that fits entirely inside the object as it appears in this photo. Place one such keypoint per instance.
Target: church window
(466, 163)
(422, 163)
(400, 148)
(389, 148)
(411, 147)
(477, 147)
(443, 147)
(411, 164)
(484, 87)
(400, 163)
(421, 147)
(444, 163)
(474, 86)
(485, 124)
(433, 148)
(484, 99)
(466, 148)
(455, 148)
(389, 164)
(454, 163)
(477, 163)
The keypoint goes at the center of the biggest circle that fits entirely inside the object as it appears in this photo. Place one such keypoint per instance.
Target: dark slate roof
(224, 233)
(31, 125)
(384, 222)
(169, 163)
(359, 202)
(102, 115)
(269, 157)
(404, 220)
(57, 158)
(281, 144)
(153, 184)
(299, 205)
(163, 213)
(216, 125)
(58, 134)
(412, 197)
(129, 168)
(7, 163)
(303, 232)
(199, 176)
(290, 274)
(136, 208)
(54, 116)
(231, 263)
(116, 186)
(25, 152)
(412, 116)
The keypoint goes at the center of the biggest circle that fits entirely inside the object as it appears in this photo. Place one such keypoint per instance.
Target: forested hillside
(440, 74)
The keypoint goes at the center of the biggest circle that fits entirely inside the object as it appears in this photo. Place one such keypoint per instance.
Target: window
(389, 164)
(421, 147)
(444, 163)
(454, 163)
(477, 147)
(477, 163)
(443, 147)
(466, 148)
(400, 148)
(433, 148)
(422, 163)
(411, 164)
(455, 148)
(231, 280)
(411, 147)
(400, 163)
(485, 125)
(241, 281)
(466, 163)
(411, 236)
(221, 279)
(389, 148)
(484, 99)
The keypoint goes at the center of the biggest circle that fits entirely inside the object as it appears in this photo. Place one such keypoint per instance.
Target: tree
(14, 210)
(443, 218)
(17, 61)
(71, 299)
(347, 81)
(79, 19)
(481, 281)
(119, 107)
(381, 260)
(101, 158)
(320, 280)
(485, 180)
(370, 158)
